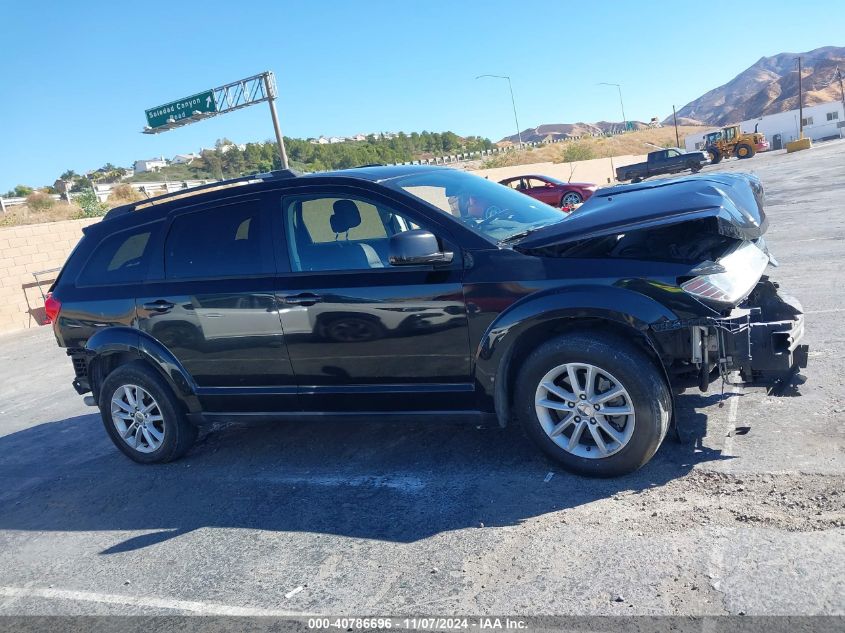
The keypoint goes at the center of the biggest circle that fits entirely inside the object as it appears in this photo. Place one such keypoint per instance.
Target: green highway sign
(168, 113)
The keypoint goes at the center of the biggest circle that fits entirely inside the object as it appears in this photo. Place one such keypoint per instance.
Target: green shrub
(91, 207)
(575, 152)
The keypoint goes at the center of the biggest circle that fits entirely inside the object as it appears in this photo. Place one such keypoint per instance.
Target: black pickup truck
(663, 161)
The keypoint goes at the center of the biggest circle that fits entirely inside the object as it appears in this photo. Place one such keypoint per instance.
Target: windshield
(493, 210)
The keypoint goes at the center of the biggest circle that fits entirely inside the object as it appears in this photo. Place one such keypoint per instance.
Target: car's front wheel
(570, 198)
(594, 402)
(143, 417)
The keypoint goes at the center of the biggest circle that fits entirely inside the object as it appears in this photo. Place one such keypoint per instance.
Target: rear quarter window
(226, 241)
(119, 258)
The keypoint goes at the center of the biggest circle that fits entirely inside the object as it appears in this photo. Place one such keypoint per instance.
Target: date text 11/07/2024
(421, 623)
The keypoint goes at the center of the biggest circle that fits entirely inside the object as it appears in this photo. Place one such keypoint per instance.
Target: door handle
(161, 306)
(304, 299)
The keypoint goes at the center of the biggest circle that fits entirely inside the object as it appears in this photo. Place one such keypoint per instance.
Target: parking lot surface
(745, 516)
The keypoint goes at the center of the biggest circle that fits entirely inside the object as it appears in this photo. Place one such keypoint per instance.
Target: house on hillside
(184, 159)
(152, 164)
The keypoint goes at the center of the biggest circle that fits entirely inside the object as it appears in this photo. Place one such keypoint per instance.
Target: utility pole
(675, 119)
(800, 102)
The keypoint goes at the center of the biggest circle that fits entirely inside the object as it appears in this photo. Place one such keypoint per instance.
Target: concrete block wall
(28, 249)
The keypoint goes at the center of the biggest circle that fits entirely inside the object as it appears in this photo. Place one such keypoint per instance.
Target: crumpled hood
(734, 200)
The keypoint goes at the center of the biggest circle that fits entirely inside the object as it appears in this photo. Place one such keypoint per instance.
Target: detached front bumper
(761, 339)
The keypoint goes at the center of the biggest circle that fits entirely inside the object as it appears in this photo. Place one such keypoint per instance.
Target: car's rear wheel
(570, 198)
(142, 416)
(596, 403)
(694, 167)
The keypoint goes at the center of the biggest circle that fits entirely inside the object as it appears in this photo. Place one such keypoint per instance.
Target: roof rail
(211, 186)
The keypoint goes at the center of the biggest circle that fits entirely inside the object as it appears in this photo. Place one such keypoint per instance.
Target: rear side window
(119, 258)
(227, 241)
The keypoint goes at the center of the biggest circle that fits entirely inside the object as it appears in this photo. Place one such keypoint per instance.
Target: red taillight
(52, 306)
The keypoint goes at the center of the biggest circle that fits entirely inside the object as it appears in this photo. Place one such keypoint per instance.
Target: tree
(214, 163)
(233, 162)
(20, 191)
(68, 175)
(81, 183)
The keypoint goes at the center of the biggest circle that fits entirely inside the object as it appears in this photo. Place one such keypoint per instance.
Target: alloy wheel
(571, 198)
(138, 418)
(585, 410)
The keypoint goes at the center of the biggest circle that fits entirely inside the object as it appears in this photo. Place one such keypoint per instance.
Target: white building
(821, 121)
(184, 159)
(153, 164)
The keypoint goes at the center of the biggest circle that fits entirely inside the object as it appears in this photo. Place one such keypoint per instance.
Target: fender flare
(122, 339)
(619, 306)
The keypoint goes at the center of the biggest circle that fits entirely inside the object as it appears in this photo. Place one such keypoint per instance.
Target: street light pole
(675, 119)
(513, 103)
(800, 102)
(842, 94)
(621, 103)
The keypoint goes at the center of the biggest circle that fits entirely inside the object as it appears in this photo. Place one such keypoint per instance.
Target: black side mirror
(413, 248)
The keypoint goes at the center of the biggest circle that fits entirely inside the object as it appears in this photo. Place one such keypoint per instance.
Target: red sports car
(551, 190)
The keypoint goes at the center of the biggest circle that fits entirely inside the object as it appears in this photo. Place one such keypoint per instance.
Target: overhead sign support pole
(220, 100)
(271, 91)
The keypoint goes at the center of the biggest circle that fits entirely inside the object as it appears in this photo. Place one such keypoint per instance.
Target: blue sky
(77, 77)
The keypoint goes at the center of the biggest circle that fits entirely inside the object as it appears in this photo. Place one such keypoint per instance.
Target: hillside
(228, 160)
(769, 86)
(638, 142)
(561, 131)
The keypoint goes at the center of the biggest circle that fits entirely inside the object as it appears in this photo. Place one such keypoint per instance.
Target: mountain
(559, 131)
(770, 86)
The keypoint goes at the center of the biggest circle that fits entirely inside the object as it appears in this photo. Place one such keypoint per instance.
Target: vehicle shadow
(393, 481)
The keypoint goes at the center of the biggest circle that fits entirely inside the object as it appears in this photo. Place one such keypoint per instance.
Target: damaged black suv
(400, 291)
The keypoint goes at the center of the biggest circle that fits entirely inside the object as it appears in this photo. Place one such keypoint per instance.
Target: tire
(616, 363)
(161, 440)
(715, 156)
(571, 197)
(637, 179)
(744, 151)
(694, 167)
